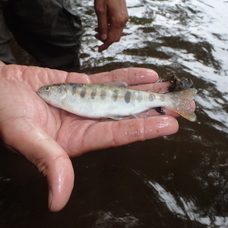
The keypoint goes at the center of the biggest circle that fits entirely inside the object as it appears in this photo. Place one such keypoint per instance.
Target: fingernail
(152, 73)
(103, 37)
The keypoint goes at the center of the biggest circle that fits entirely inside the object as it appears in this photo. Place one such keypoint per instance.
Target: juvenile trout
(104, 101)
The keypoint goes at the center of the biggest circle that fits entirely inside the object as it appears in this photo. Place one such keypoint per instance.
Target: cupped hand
(48, 136)
(112, 17)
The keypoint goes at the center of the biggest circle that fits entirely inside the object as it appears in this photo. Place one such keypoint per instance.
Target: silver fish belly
(103, 101)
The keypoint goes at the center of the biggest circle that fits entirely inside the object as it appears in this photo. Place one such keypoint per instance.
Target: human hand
(112, 17)
(48, 136)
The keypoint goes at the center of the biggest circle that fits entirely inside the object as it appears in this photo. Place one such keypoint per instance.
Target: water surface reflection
(175, 181)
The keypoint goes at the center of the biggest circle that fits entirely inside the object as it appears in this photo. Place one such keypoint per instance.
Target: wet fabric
(5, 51)
(2, 3)
(50, 30)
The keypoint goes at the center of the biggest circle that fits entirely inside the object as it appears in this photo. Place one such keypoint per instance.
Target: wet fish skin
(104, 101)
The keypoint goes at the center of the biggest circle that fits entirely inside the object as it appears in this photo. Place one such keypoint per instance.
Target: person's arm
(112, 17)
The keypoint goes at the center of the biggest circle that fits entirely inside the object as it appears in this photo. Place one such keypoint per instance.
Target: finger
(44, 76)
(131, 76)
(114, 35)
(116, 133)
(107, 43)
(117, 17)
(101, 11)
(161, 87)
(58, 170)
(101, 37)
(50, 159)
(1, 63)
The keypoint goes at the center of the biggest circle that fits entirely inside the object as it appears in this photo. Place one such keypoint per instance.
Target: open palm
(48, 136)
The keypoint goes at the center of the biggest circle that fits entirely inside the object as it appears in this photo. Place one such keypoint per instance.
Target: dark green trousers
(50, 30)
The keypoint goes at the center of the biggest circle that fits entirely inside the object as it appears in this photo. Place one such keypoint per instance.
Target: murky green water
(176, 181)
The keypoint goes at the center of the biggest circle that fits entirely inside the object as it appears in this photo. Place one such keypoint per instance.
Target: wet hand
(48, 136)
(112, 18)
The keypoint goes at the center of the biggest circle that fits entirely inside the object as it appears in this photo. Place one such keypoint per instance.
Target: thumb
(1, 63)
(56, 166)
(50, 159)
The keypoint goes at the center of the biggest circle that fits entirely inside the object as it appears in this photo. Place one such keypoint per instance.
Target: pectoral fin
(67, 107)
(114, 117)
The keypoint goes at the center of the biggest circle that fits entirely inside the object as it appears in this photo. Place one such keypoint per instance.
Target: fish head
(53, 94)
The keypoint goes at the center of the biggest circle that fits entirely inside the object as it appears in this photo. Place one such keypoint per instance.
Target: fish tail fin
(181, 103)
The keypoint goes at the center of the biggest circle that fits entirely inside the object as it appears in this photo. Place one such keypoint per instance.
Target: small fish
(115, 102)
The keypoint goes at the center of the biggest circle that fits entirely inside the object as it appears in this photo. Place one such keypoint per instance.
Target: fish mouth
(40, 93)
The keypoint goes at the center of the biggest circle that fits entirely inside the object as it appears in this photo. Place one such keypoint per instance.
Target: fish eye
(47, 88)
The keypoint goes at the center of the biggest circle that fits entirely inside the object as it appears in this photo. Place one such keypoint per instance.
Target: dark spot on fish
(103, 94)
(115, 95)
(127, 96)
(151, 97)
(62, 88)
(73, 86)
(162, 97)
(83, 93)
(93, 94)
(160, 110)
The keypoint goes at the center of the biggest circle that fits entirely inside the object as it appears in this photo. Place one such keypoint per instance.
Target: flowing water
(175, 181)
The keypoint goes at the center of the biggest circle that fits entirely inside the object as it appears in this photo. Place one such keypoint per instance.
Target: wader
(50, 30)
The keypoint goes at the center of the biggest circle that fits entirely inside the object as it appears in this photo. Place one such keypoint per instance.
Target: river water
(175, 181)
